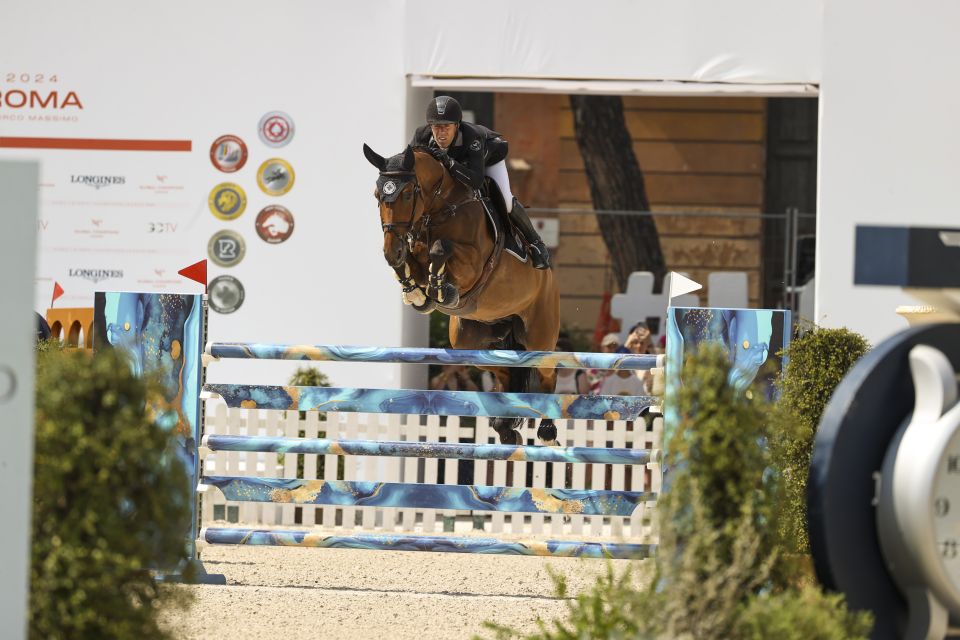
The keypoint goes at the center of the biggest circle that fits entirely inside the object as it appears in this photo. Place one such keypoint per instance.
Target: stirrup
(539, 255)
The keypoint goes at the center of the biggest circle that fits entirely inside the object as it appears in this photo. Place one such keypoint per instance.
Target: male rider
(470, 151)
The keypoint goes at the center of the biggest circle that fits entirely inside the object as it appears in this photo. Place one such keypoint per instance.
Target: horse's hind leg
(468, 334)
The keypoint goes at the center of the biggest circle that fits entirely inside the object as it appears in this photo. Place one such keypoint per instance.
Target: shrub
(107, 508)
(800, 615)
(719, 563)
(816, 363)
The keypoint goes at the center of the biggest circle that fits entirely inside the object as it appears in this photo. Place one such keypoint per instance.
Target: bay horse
(448, 257)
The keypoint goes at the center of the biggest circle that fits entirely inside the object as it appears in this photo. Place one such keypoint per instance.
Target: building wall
(697, 154)
(888, 143)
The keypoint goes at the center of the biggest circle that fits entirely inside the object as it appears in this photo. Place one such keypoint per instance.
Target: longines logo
(96, 275)
(98, 181)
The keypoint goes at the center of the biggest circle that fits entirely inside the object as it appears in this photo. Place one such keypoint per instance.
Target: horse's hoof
(547, 433)
(427, 307)
(449, 295)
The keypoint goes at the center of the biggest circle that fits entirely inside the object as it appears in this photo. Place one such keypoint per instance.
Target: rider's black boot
(538, 250)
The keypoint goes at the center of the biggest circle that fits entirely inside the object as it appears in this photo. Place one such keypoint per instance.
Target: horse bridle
(414, 231)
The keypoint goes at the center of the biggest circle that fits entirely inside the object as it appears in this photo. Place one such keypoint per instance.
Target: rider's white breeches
(499, 174)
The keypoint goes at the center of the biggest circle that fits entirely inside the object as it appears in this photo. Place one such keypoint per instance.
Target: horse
(447, 257)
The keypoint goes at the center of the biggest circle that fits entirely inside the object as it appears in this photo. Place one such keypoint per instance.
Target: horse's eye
(407, 195)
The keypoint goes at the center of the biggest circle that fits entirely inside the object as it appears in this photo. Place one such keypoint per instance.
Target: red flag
(196, 272)
(57, 292)
(605, 322)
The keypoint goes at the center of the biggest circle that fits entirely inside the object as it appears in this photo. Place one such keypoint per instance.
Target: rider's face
(444, 134)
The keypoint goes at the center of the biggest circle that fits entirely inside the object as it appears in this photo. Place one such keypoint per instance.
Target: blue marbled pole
(391, 542)
(588, 502)
(491, 358)
(400, 449)
(442, 403)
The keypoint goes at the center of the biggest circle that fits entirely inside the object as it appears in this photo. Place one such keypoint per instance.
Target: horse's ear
(374, 158)
(408, 159)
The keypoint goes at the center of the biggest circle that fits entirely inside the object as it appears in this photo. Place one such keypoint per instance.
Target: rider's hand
(440, 155)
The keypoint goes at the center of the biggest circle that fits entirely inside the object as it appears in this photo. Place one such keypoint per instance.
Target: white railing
(581, 433)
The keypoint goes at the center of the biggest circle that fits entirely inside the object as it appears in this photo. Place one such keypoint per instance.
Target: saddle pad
(513, 244)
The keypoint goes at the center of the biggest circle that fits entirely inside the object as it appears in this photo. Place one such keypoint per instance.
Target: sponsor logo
(441, 106)
(96, 228)
(160, 185)
(475, 145)
(95, 275)
(42, 224)
(274, 224)
(97, 182)
(228, 153)
(275, 177)
(227, 201)
(33, 99)
(275, 129)
(226, 248)
(162, 227)
(226, 294)
(389, 187)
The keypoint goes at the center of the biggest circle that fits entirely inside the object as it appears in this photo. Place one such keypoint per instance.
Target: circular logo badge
(226, 294)
(276, 129)
(274, 224)
(389, 187)
(227, 201)
(226, 248)
(228, 153)
(275, 177)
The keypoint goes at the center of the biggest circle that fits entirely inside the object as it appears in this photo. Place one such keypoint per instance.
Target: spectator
(631, 383)
(609, 344)
(639, 339)
(572, 381)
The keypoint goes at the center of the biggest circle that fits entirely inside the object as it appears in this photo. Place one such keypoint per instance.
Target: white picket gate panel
(414, 428)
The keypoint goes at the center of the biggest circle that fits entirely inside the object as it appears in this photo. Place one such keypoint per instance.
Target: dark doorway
(791, 191)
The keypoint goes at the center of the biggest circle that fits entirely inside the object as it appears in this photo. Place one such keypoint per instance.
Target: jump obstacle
(168, 331)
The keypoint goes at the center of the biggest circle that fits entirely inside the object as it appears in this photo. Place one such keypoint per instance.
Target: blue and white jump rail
(430, 496)
(165, 335)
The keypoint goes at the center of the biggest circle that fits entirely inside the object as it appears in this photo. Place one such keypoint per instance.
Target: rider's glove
(440, 155)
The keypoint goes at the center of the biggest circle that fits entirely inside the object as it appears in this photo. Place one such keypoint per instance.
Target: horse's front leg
(439, 284)
(411, 293)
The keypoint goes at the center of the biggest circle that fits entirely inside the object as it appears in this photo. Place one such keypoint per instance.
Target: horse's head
(401, 198)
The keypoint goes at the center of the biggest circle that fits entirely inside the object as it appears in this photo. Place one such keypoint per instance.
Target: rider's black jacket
(474, 148)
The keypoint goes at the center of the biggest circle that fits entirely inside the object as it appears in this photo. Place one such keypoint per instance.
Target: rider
(470, 151)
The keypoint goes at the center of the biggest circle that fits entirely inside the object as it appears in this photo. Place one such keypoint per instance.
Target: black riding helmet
(444, 110)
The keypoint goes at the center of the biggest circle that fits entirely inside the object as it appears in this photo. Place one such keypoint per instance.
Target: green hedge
(816, 363)
(107, 508)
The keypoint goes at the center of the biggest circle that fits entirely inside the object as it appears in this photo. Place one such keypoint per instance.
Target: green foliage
(309, 377)
(439, 330)
(800, 615)
(722, 570)
(714, 551)
(816, 363)
(612, 608)
(107, 508)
